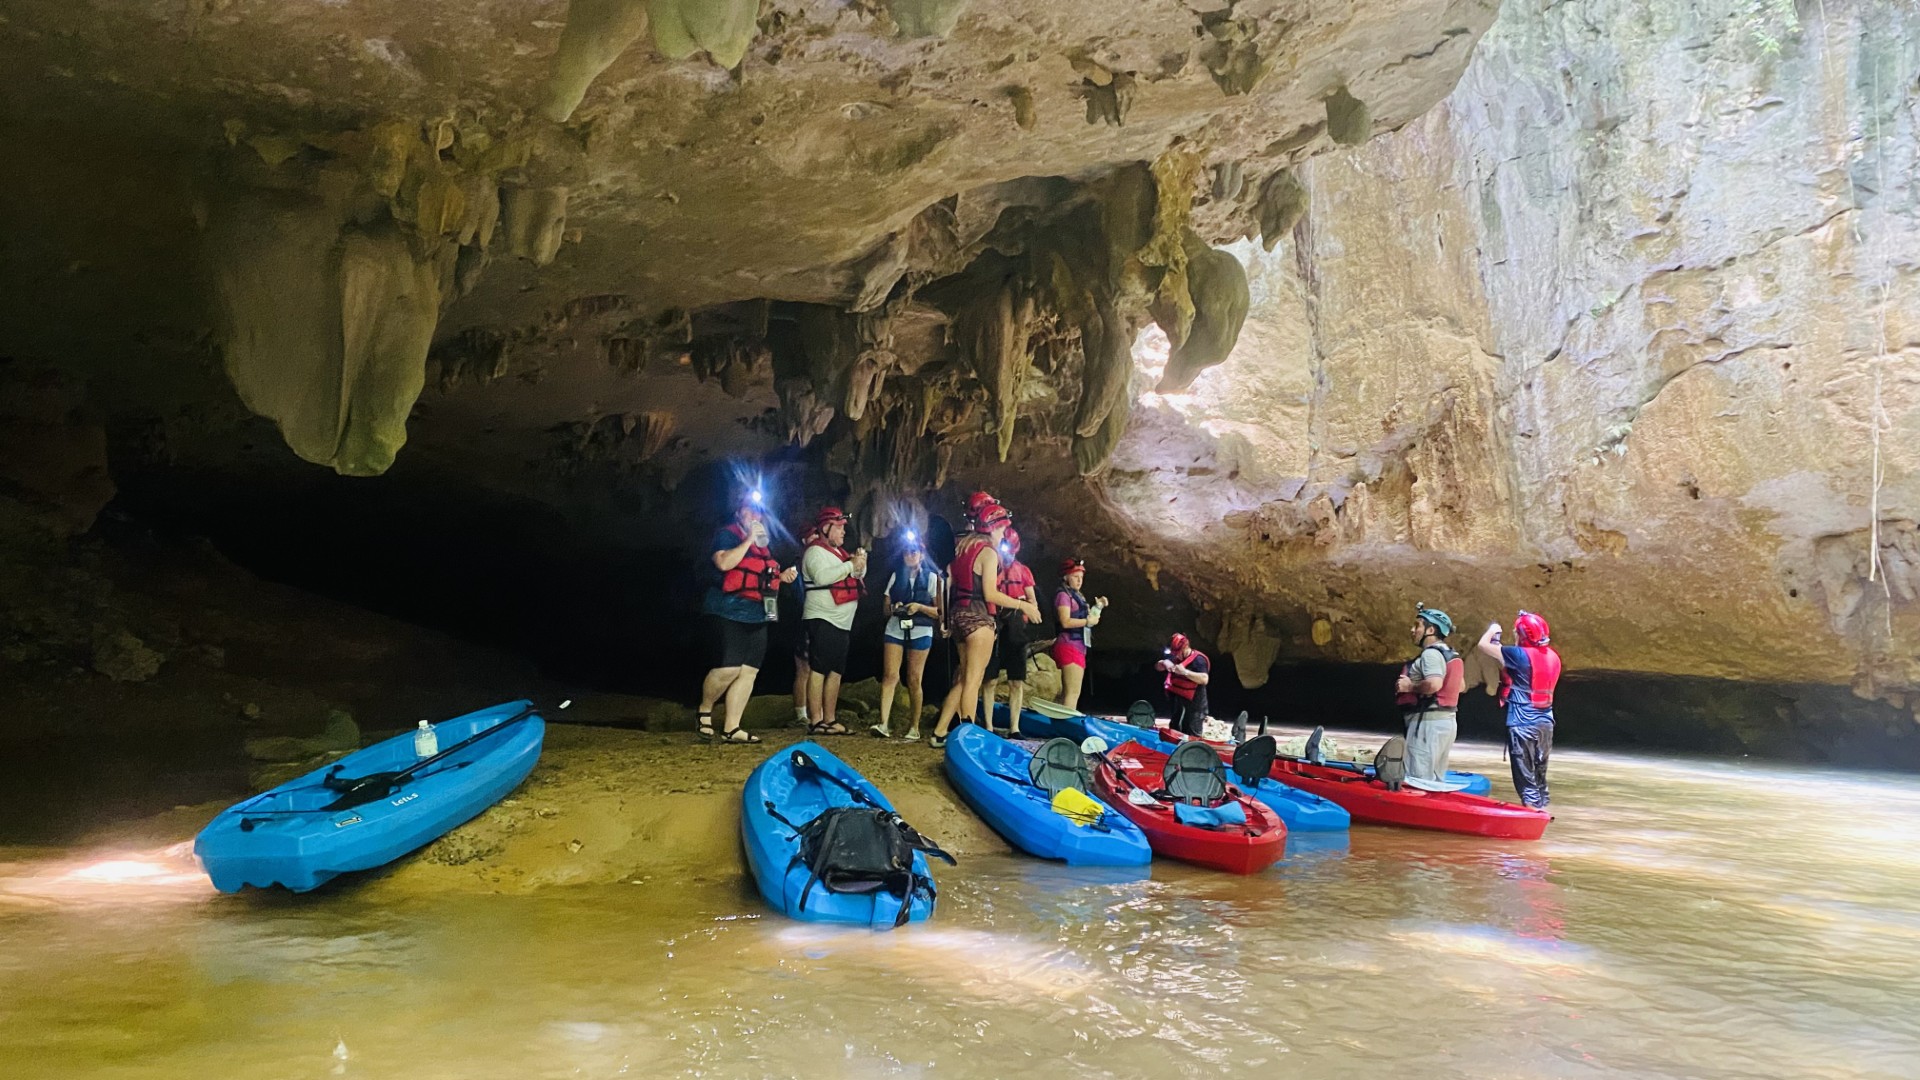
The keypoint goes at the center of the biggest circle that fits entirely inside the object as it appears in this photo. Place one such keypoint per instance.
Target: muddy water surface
(1679, 920)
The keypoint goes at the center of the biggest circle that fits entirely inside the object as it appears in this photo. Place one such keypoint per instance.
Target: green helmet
(1441, 624)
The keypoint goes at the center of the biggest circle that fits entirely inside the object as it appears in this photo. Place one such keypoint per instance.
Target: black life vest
(914, 587)
(1078, 608)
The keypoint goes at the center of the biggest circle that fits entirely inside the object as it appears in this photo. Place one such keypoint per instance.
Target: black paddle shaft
(361, 790)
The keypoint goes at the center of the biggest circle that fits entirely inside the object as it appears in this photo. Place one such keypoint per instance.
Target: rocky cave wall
(1214, 290)
(1605, 335)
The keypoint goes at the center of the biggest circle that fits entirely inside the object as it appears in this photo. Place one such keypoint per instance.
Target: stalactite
(597, 32)
(1349, 121)
(1282, 201)
(1218, 286)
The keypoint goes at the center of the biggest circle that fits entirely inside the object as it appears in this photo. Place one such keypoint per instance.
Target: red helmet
(1012, 540)
(827, 517)
(1068, 566)
(992, 514)
(977, 504)
(1178, 643)
(1531, 629)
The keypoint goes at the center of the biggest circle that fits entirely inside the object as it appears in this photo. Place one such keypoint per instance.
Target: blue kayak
(289, 837)
(799, 795)
(991, 775)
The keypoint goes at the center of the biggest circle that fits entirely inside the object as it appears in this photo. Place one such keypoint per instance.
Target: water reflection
(1679, 920)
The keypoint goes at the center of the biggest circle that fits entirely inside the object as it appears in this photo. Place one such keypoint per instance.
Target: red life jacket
(848, 589)
(1451, 684)
(1179, 685)
(1016, 579)
(753, 577)
(966, 583)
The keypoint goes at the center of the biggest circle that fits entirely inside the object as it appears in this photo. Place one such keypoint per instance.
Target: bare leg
(916, 691)
(800, 673)
(830, 695)
(988, 684)
(889, 684)
(716, 684)
(1070, 678)
(975, 650)
(1016, 699)
(737, 696)
(816, 698)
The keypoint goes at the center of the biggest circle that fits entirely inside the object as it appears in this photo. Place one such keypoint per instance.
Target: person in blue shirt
(1529, 673)
(742, 601)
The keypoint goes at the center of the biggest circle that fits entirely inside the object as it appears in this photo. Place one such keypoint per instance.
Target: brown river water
(1680, 919)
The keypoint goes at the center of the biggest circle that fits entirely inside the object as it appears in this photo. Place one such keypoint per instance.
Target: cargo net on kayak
(860, 849)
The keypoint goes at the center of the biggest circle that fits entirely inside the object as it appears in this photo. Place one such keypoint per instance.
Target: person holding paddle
(741, 604)
(1077, 618)
(975, 577)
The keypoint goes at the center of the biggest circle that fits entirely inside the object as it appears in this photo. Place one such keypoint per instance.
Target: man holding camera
(834, 581)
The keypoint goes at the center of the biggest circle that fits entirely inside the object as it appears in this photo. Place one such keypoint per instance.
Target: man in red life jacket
(1530, 671)
(1428, 693)
(834, 582)
(740, 605)
(1187, 671)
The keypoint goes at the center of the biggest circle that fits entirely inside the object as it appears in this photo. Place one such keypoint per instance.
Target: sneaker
(879, 731)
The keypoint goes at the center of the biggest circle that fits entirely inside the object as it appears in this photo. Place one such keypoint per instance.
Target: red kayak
(1238, 849)
(1370, 801)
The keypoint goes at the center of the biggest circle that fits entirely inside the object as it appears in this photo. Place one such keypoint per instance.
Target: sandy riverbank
(607, 806)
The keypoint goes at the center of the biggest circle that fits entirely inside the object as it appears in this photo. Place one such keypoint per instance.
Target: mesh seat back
(1195, 772)
(1057, 766)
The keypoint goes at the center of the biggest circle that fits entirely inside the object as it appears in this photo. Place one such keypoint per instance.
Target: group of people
(985, 603)
(1429, 687)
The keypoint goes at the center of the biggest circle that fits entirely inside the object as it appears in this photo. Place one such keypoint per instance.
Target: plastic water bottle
(425, 742)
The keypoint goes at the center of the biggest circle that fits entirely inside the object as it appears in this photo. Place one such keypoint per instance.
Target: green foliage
(1768, 23)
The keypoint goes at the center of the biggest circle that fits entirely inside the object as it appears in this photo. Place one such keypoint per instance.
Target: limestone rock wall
(1606, 335)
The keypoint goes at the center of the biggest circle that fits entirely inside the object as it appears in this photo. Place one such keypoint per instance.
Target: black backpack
(864, 849)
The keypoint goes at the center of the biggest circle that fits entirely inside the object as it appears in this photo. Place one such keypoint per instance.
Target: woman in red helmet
(1188, 672)
(742, 602)
(835, 580)
(1530, 671)
(1078, 616)
(976, 597)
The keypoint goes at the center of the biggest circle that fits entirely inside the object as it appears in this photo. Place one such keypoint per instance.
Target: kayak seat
(1253, 759)
(1390, 763)
(1194, 774)
(1140, 714)
(1311, 751)
(1058, 766)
